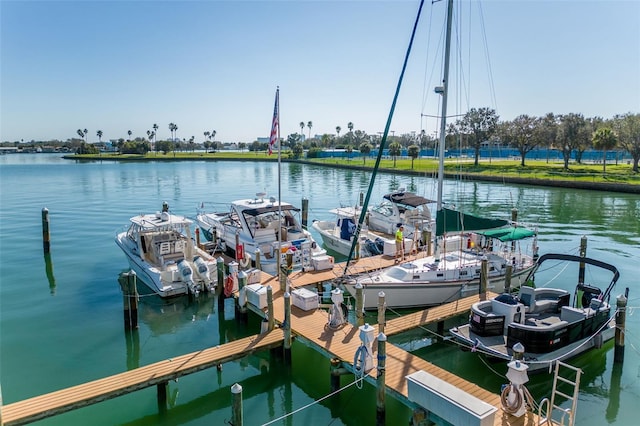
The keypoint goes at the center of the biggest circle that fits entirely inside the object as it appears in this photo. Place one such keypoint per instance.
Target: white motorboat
(401, 207)
(338, 234)
(543, 321)
(266, 226)
(161, 251)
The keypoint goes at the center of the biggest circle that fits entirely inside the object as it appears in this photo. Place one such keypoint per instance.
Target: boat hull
(428, 293)
(496, 347)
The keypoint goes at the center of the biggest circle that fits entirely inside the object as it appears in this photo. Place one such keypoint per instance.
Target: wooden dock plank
(58, 402)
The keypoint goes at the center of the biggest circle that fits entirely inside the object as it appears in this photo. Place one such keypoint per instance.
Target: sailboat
(463, 243)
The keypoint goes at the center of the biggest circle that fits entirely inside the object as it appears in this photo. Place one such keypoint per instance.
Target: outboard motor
(202, 271)
(186, 275)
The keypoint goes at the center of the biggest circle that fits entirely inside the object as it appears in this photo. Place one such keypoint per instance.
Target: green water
(62, 325)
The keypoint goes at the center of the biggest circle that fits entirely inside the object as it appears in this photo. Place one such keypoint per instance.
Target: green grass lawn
(533, 170)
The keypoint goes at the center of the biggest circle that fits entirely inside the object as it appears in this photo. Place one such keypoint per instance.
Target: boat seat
(571, 314)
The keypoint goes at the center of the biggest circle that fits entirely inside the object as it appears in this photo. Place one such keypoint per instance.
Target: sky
(211, 65)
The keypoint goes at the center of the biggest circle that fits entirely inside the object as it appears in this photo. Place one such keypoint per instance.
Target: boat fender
(228, 286)
(245, 261)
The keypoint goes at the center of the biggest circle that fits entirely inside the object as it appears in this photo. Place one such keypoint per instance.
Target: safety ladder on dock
(551, 405)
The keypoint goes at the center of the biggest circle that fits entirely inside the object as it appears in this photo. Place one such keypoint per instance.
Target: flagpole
(279, 260)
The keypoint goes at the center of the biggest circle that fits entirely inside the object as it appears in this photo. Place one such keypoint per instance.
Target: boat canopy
(407, 198)
(272, 208)
(449, 220)
(508, 234)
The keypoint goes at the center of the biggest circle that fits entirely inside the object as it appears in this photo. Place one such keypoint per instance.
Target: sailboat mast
(444, 91)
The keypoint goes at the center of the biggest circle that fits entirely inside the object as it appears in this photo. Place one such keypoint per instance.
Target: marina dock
(311, 327)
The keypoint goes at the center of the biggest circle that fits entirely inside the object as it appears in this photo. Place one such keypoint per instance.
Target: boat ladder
(551, 407)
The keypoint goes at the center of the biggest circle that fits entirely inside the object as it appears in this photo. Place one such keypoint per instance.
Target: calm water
(63, 326)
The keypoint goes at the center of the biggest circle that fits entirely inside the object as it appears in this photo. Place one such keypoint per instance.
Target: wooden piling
(198, 238)
(287, 328)
(129, 288)
(220, 282)
(380, 380)
(359, 305)
(305, 212)
(46, 238)
(335, 374)
(236, 409)
(382, 305)
(583, 253)
(162, 396)
(257, 253)
(621, 314)
(48, 267)
(507, 278)
(426, 241)
(243, 314)
(484, 276)
(270, 313)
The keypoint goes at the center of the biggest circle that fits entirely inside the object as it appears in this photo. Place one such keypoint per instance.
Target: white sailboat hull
(402, 294)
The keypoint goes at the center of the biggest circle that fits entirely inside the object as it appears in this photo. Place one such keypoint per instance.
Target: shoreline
(559, 183)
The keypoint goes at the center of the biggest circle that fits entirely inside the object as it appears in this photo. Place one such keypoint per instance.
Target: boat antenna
(363, 212)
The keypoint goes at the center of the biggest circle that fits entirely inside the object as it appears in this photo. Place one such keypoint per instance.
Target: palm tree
(129, 132)
(604, 139)
(86, 134)
(338, 128)
(395, 149)
(171, 129)
(413, 151)
(213, 135)
(301, 127)
(309, 125)
(350, 126)
(81, 134)
(99, 135)
(206, 136)
(365, 149)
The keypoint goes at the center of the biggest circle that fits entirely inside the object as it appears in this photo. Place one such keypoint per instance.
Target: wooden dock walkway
(343, 343)
(58, 402)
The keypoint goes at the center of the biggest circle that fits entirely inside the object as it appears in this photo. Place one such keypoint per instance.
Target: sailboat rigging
(455, 270)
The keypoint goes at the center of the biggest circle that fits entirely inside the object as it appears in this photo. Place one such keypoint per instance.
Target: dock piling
(507, 278)
(243, 314)
(236, 415)
(129, 288)
(380, 380)
(162, 396)
(382, 305)
(305, 212)
(271, 314)
(46, 238)
(287, 328)
(359, 305)
(484, 276)
(621, 314)
(583, 253)
(48, 268)
(258, 265)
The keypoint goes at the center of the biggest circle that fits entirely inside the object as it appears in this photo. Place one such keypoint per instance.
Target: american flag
(274, 124)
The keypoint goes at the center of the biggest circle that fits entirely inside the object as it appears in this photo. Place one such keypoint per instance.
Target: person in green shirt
(400, 243)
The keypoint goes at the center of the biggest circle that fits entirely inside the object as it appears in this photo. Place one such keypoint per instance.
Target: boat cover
(407, 198)
(508, 234)
(449, 220)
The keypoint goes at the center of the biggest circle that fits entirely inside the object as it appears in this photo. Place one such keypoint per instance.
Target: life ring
(245, 262)
(228, 286)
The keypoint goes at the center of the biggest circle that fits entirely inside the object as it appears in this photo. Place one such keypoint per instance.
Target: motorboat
(338, 235)
(453, 272)
(161, 251)
(401, 207)
(542, 325)
(265, 226)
